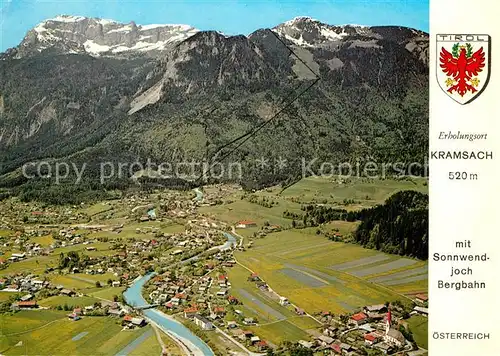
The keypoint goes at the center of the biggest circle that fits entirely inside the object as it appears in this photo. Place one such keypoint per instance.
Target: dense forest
(398, 226)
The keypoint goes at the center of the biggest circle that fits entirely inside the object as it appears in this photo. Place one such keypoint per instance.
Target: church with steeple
(392, 336)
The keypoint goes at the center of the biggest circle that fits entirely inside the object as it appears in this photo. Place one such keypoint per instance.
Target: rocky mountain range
(99, 37)
(90, 90)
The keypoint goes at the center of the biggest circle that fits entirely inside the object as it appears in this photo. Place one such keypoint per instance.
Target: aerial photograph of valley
(214, 178)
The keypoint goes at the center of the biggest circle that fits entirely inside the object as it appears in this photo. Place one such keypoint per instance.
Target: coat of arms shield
(463, 65)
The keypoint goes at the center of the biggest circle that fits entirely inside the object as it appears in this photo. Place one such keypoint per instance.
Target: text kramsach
(461, 155)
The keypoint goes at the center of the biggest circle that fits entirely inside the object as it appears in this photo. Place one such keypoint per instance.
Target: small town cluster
(87, 261)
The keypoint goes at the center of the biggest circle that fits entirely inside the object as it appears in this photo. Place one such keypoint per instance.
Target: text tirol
(463, 38)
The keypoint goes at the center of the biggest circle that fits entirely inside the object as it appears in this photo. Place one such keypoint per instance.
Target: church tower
(388, 321)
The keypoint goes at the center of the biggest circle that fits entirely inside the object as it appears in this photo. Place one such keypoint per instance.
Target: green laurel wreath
(456, 46)
(469, 50)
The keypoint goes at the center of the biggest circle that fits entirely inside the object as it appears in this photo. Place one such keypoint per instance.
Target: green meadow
(52, 333)
(419, 327)
(60, 300)
(355, 193)
(301, 265)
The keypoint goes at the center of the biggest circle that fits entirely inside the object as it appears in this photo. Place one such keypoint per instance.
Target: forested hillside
(367, 100)
(399, 226)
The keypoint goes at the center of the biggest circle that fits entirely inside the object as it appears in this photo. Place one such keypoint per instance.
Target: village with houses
(191, 272)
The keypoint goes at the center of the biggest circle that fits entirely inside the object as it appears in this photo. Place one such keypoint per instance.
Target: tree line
(399, 226)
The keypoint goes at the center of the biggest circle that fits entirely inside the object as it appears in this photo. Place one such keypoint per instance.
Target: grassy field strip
(406, 280)
(375, 190)
(323, 251)
(83, 279)
(277, 246)
(304, 278)
(298, 249)
(390, 272)
(412, 288)
(291, 319)
(280, 331)
(79, 336)
(293, 305)
(5, 232)
(134, 344)
(97, 209)
(5, 295)
(386, 267)
(360, 262)
(35, 265)
(107, 293)
(65, 300)
(419, 326)
(31, 330)
(263, 306)
(316, 273)
(400, 275)
(339, 252)
(45, 241)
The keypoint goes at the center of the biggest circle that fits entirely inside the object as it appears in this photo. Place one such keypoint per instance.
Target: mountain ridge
(189, 101)
(105, 37)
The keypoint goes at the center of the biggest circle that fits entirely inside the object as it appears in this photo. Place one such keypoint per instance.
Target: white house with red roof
(372, 338)
(243, 224)
(421, 298)
(359, 319)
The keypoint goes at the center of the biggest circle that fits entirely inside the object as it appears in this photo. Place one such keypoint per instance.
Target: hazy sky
(228, 16)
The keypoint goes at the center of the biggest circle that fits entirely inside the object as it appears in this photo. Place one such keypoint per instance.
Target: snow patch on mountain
(127, 28)
(332, 35)
(67, 18)
(102, 37)
(94, 48)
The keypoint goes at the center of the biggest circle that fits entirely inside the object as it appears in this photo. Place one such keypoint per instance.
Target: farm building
(26, 297)
(18, 256)
(116, 312)
(32, 304)
(421, 310)
(67, 292)
(139, 322)
(421, 298)
(245, 224)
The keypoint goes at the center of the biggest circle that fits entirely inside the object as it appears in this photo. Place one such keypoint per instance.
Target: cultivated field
(364, 192)
(350, 195)
(50, 332)
(323, 275)
(275, 322)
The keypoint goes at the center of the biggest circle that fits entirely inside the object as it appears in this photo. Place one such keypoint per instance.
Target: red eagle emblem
(462, 67)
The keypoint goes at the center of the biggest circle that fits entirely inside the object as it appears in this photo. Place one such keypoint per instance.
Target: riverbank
(182, 335)
(185, 345)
